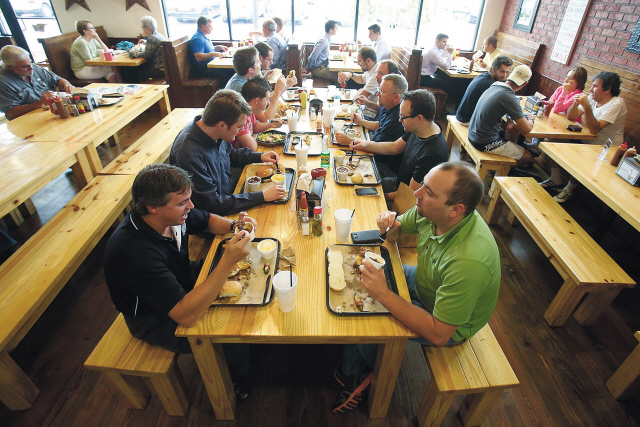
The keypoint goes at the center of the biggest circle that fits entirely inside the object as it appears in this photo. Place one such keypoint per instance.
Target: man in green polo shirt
(454, 287)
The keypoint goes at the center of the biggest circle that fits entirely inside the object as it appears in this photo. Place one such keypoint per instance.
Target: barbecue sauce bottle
(617, 156)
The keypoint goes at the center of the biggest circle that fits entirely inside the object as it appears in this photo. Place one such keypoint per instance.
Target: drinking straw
(290, 276)
(352, 213)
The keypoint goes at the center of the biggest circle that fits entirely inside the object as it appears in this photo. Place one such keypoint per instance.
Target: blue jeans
(358, 357)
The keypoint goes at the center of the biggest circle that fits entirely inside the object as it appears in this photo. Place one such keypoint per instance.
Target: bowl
(345, 107)
(342, 173)
(253, 184)
(351, 133)
(338, 157)
(267, 248)
(247, 226)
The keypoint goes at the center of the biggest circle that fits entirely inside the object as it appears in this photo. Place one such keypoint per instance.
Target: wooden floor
(562, 370)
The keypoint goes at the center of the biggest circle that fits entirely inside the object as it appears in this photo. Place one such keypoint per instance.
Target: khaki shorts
(509, 149)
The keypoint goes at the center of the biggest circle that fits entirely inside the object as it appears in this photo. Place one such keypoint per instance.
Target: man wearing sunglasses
(25, 86)
(423, 143)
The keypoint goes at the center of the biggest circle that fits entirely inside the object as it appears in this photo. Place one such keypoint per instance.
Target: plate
(253, 280)
(345, 298)
(267, 138)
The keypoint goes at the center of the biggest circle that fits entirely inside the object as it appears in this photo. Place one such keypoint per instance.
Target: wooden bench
(484, 161)
(125, 361)
(185, 90)
(521, 51)
(584, 266)
(58, 51)
(154, 146)
(36, 273)
(477, 368)
(626, 380)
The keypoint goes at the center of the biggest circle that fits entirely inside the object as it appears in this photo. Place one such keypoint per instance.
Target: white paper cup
(285, 293)
(291, 94)
(343, 224)
(292, 121)
(342, 172)
(378, 264)
(338, 125)
(302, 153)
(253, 187)
(339, 160)
(328, 115)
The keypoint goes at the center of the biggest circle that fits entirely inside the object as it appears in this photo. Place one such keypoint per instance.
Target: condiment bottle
(471, 65)
(62, 111)
(630, 152)
(304, 223)
(316, 225)
(52, 106)
(303, 208)
(617, 156)
(319, 122)
(312, 115)
(303, 100)
(81, 108)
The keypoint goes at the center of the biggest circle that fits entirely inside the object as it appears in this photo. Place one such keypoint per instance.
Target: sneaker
(241, 390)
(562, 196)
(550, 185)
(354, 392)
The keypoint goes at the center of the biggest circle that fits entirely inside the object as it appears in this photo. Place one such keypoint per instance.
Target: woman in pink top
(573, 85)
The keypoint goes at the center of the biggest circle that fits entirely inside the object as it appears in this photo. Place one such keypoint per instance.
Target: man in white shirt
(368, 61)
(380, 45)
(488, 53)
(438, 56)
(604, 113)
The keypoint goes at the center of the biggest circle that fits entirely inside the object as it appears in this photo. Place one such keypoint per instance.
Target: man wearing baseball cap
(484, 129)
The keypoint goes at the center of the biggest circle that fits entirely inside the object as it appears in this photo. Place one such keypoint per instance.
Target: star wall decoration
(69, 3)
(142, 3)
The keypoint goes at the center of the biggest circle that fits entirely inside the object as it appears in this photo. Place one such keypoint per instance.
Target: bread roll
(336, 271)
(231, 290)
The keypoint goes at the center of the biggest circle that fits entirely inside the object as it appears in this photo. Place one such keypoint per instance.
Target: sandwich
(231, 290)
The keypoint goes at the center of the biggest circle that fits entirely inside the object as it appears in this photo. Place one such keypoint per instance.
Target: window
(34, 19)
(397, 23)
(314, 13)
(181, 16)
(458, 19)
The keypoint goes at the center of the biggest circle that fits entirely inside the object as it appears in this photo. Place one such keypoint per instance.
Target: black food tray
(273, 144)
(290, 176)
(373, 166)
(388, 273)
(274, 270)
(287, 142)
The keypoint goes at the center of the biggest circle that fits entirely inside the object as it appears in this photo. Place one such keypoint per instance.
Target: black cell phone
(367, 191)
(367, 236)
(574, 128)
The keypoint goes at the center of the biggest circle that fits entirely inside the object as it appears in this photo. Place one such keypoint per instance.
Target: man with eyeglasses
(368, 61)
(423, 144)
(388, 127)
(25, 86)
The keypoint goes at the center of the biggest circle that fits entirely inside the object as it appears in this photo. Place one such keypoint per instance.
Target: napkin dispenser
(629, 170)
(314, 197)
(317, 104)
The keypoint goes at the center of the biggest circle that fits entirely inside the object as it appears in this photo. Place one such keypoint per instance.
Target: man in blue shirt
(246, 63)
(318, 61)
(277, 43)
(202, 50)
(497, 73)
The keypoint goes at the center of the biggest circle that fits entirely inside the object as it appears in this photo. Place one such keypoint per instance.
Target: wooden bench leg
(482, 170)
(14, 218)
(591, 308)
(17, 391)
(494, 210)
(450, 138)
(564, 303)
(476, 407)
(133, 388)
(27, 208)
(171, 390)
(513, 219)
(434, 406)
(114, 140)
(626, 379)
(165, 106)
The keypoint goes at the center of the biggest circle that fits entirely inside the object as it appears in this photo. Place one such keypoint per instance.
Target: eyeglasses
(408, 117)
(25, 67)
(381, 92)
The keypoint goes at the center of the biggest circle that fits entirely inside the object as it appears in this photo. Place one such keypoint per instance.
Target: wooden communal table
(28, 166)
(120, 60)
(456, 75)
(310, 322)
(92, 128)
(555, 127)
(581, 161)
(225, 62)
(340, 64)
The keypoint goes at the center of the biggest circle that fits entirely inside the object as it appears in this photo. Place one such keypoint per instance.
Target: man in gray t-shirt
(498, 100)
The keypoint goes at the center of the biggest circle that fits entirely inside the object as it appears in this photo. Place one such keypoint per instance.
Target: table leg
(390, 355)
(215, 376)
(94, 159)
(564, 303)
(27, 208)
(591, 308)
(17, 391)
(14, 218)
(165, 106)
(82, 169)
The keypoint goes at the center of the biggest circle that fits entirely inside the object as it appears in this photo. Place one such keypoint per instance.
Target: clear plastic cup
(285, 284)
(343, 218)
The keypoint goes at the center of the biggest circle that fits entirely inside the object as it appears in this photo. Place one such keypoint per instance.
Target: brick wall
(603, 36)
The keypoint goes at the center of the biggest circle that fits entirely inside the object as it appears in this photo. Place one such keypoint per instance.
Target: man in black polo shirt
(423, 144)
(147, 267)
(497, 73)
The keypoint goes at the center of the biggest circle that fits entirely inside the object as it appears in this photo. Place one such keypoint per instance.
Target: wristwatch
(233, 224)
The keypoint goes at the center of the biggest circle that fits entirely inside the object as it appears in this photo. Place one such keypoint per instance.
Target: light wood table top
(121, 60)
(581, 161)
(226, 62)
(350, 64)
(456, 75)
(92, 127)
(310, 321)
(28, 166)
(555, 127)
